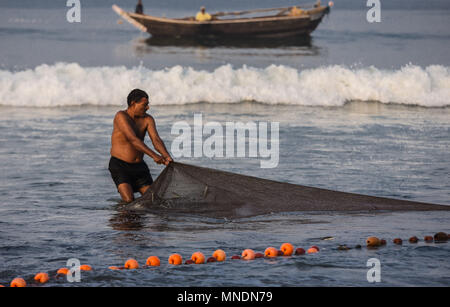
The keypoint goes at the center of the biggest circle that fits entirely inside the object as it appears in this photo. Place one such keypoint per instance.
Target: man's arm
(156, 140)
(122, 122)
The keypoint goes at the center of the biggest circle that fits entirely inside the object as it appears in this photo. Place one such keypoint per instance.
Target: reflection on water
(125, 220)
(226, 49)
(247, 42)
(209, 53)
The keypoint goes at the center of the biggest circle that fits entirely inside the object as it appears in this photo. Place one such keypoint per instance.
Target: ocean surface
(362, 107)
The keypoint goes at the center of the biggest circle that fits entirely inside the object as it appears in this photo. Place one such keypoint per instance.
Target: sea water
(361, 107)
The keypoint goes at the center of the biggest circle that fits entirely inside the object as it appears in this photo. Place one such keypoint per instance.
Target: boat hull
(274, 26)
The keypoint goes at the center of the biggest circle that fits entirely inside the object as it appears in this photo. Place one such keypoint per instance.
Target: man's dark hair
(136, 95)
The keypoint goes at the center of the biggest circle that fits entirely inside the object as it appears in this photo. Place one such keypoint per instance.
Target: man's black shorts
(135, 174)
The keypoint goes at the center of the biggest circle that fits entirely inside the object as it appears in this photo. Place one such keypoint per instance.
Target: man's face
(141, 107)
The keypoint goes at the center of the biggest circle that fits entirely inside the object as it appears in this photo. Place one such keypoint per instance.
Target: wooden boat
(279, 24)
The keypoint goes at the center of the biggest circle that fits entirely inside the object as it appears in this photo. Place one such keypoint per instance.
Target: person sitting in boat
(295, 11)
(202, 15)
(139, 8)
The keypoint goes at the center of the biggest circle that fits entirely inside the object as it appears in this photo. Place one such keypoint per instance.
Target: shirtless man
(128, 169)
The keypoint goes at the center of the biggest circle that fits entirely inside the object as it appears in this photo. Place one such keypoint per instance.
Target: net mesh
(184, 188)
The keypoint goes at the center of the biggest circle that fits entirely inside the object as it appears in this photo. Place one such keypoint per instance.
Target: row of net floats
(286, 249)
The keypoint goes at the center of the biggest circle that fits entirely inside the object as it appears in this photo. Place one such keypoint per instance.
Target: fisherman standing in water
(127, 167)
(139, 8)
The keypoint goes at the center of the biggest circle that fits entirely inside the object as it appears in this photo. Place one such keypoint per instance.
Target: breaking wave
(64, 84)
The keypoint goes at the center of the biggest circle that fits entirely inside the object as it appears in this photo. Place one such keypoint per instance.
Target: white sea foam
(64, 84)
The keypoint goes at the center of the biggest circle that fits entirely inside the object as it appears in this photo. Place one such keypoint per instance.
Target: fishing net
(184, 188)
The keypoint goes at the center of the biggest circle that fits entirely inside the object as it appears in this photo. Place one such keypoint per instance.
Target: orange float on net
(198, 258)
(397, 241)
(41, 277)
(428, 239)
(440, 237)
(248, 254)
(131, 264)
(85, 267)
(18, 283)
(312, 250)
(413, 239)
(113, 267)
(175, 259)
(153, 261)
(373, 241)
(300, 251)
(63, 271)
(287, 249)
(219, 255)
(271, 252)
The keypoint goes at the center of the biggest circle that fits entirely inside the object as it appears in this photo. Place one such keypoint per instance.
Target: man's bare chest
(139, 127)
